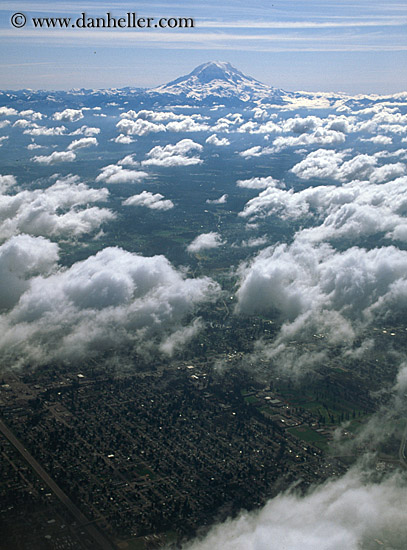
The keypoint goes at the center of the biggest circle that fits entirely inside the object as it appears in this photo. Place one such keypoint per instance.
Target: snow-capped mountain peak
(212, 71)
(217, 79)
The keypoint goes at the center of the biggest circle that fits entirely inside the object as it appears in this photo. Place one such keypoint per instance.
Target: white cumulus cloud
(117, 174)
(112, 301)
(150, 200)
(218, 142)
(174, 155)
(259, 183)
(205, 241)
(60, 210)
(221, 200)
(82, 143)
(55, 157)
(36, 130)
(68, 115)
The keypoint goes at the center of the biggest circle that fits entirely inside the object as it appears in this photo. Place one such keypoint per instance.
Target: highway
(83, 521)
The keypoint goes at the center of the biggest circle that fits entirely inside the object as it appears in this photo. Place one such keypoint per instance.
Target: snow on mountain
(212, 83)
(217, 79)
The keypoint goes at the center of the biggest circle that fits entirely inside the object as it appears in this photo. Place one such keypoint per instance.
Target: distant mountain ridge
(212, 83)
(215, 83)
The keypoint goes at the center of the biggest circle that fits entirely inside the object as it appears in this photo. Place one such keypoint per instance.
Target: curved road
(402, 449)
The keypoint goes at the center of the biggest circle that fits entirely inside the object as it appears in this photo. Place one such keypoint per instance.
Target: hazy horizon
(314, 47)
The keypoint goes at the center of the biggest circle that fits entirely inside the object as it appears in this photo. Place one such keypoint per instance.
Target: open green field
(251, 399)
(310, 436)
(321, 402)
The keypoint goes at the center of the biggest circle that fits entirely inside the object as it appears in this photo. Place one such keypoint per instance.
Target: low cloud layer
(154, 201)
(82, 143)
(350, 513)
(325, 163)
(55, 157)
(21, 258)
(300, 278)
(145, 122)
(218, 142)
(205, 241)
(68, 115)
(221, 200)
(259, 183)
(372, 202)
(37, 130)
(117, 174)
(314, 289)
(61, 210)
(182, 153)
(112, 301)
(6, 182)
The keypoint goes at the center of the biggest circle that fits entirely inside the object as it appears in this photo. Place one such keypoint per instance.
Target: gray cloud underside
(111, 300)
(348, 513)
(313, 289)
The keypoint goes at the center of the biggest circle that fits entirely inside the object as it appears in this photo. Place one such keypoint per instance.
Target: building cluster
(160, 453)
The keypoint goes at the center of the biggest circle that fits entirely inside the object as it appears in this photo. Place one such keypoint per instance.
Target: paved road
(402, 450)
(97, 536)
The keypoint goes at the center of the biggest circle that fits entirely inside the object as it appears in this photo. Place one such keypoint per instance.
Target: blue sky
(350, 46)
